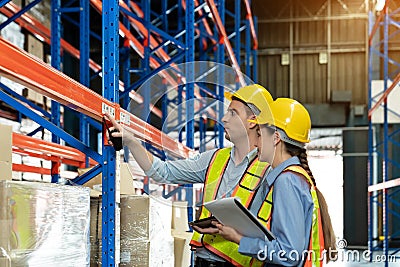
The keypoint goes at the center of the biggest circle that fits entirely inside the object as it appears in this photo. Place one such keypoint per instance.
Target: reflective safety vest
(245, 190)
(316, 243)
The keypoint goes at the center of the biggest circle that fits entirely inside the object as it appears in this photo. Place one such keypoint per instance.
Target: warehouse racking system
(200, 29)
(384, 161)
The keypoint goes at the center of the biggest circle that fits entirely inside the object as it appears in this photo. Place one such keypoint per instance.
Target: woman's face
(266, 147)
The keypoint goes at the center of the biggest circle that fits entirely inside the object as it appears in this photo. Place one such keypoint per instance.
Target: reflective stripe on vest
(265, 212)
(245, 190)
(316, 244)
(215, 171)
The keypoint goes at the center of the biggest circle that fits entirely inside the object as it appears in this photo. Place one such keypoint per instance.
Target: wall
(325, 45)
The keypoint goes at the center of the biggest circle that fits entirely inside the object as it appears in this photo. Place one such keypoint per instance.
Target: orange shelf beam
(43, 33)
(27, 168)
(19, 66)
(29, 146)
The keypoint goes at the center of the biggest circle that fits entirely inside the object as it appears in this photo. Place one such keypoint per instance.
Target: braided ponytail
(304, 163)
(329, 235)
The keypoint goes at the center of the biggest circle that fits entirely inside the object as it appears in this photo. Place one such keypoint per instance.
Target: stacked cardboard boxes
(182, 238)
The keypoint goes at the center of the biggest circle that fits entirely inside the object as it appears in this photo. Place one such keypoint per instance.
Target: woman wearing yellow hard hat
(293, 208)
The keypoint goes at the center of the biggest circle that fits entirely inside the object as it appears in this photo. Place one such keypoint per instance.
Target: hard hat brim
(229, 96)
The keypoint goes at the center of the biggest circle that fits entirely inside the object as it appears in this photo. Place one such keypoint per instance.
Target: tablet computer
(231, 212)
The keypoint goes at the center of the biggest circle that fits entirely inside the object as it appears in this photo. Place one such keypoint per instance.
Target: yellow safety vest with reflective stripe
(316, 244)
(245, 190)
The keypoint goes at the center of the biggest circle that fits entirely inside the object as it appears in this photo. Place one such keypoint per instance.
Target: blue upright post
(237, 30)
(164, 7)
(110, 18)
(202, 68)
(164, 108)
(247, 48)
(221, 78)
(180, 15)
(203, 134)
(190, 34)
(255, 58)
(179, 103)
(56, 63)
(84, 45)
(385, 135)
(370, 146)
(146, 64)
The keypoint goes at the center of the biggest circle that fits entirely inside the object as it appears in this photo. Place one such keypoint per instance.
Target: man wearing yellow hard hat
(224, 172)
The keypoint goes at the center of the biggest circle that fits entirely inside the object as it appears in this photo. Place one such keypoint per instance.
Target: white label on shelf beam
(108, 109)
(125, 118)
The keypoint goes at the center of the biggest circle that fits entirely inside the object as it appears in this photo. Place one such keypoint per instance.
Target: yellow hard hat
(290, 116)
(252, 94)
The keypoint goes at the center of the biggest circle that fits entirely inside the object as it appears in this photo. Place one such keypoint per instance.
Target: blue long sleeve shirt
(291, 218)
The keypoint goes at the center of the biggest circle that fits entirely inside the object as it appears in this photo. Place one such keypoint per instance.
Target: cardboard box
(182, 252)
(6, 143)
(94, 181)
(145, 218)
(30, 94)
(135, 253)
(126, 180)
(5, 170)
(179, 216)
(146, 231)
(6, 152)
(42, 12)
(145, 253)
(34, 46)
(5, 262)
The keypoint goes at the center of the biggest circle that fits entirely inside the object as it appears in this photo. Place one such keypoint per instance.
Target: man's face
(236, 121)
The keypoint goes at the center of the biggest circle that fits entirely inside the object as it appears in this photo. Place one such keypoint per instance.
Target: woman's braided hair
(329, 235)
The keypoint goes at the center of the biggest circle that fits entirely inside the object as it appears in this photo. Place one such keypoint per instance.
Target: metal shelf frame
(384, 188)
(160, 45)
(35, 27)
(20, 67)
